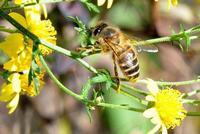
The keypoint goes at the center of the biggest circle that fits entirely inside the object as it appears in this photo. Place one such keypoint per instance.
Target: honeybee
(111, 39)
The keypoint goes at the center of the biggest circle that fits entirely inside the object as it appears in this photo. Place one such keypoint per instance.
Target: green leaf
(91, 6)
(84, 33)
(30, 76)
(36, 83)
(35, 67)
(5, 74)
(88, 110)
(86, 88)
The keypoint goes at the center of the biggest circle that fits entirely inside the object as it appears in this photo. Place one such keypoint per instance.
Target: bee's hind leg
(116, 73)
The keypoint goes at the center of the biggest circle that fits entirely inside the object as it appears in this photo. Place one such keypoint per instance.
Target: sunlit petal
(155, 129)
(149, 113)
(100, 2)
(110, 2)
(10, 48)
(19, 18)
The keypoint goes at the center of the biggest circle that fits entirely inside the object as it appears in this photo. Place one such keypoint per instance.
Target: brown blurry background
(54, 112)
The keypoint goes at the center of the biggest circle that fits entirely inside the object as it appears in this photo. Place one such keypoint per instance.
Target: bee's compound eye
(97, 31)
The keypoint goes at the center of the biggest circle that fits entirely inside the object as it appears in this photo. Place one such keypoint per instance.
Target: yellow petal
(100, 2)
(44, 10)
(20, 63)
(174, 2)
(19, 18)
(33, 14)
(13, 44)
(6, 93)
(16, 83)
(109, 3)
(12, 105)
(155, 129)
(18, 2)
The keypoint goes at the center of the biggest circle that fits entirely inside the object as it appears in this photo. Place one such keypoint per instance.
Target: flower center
(169, 107)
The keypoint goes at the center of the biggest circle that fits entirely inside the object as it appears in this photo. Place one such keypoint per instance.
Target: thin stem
(185, 95)
(135, 89)
(169, 38)
(125, 107)
(65, 52)
(125, 93)
(180, 83)
(60, 85)
(3, 29)
(190, 101)
(189, 82)
(193, 114)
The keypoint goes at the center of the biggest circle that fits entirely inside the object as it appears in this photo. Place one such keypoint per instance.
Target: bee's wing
(146, 48)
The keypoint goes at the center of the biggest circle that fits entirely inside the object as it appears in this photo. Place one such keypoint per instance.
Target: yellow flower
(167, 111)
(172, 2)
(42, 28)
(19, 49)
(30, 90)
(10, 92)
(101, 2)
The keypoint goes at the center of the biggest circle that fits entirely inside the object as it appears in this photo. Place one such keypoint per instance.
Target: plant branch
(79, 97)
(193, 114)
(180, 83)
(65, 52)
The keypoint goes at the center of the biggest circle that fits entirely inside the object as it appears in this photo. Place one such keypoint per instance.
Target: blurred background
(54, 112)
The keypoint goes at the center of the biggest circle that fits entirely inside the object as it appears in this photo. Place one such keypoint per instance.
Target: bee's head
(96, 31)
(105, 31)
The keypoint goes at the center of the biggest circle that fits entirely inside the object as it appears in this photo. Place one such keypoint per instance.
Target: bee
(111, 39)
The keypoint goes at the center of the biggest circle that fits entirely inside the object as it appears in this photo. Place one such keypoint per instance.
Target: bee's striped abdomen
(128, 63)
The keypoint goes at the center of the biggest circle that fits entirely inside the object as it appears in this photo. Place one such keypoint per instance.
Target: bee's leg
(116, 73)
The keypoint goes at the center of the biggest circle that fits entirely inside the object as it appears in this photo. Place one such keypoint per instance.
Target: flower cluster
(167, 111)
(18, 48)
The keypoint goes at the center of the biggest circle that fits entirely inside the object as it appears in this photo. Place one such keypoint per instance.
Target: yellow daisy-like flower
(19, 49)
(10, 92)
(102, 2)
(168, 110)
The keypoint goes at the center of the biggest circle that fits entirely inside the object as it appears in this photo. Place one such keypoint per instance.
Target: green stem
(185, 95)
(189, 82)
(193, 114)
(169, 38)
(3, 29)
(125, 93)
(125, 107)
(180, 83)
(60, 85)
(79, 97)
(35, 39)
(190, 101)
(135, 89)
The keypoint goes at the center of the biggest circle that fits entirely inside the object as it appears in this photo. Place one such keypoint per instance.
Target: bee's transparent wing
(147, 48)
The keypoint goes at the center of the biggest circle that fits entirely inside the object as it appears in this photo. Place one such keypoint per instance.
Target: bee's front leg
(88, 50)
